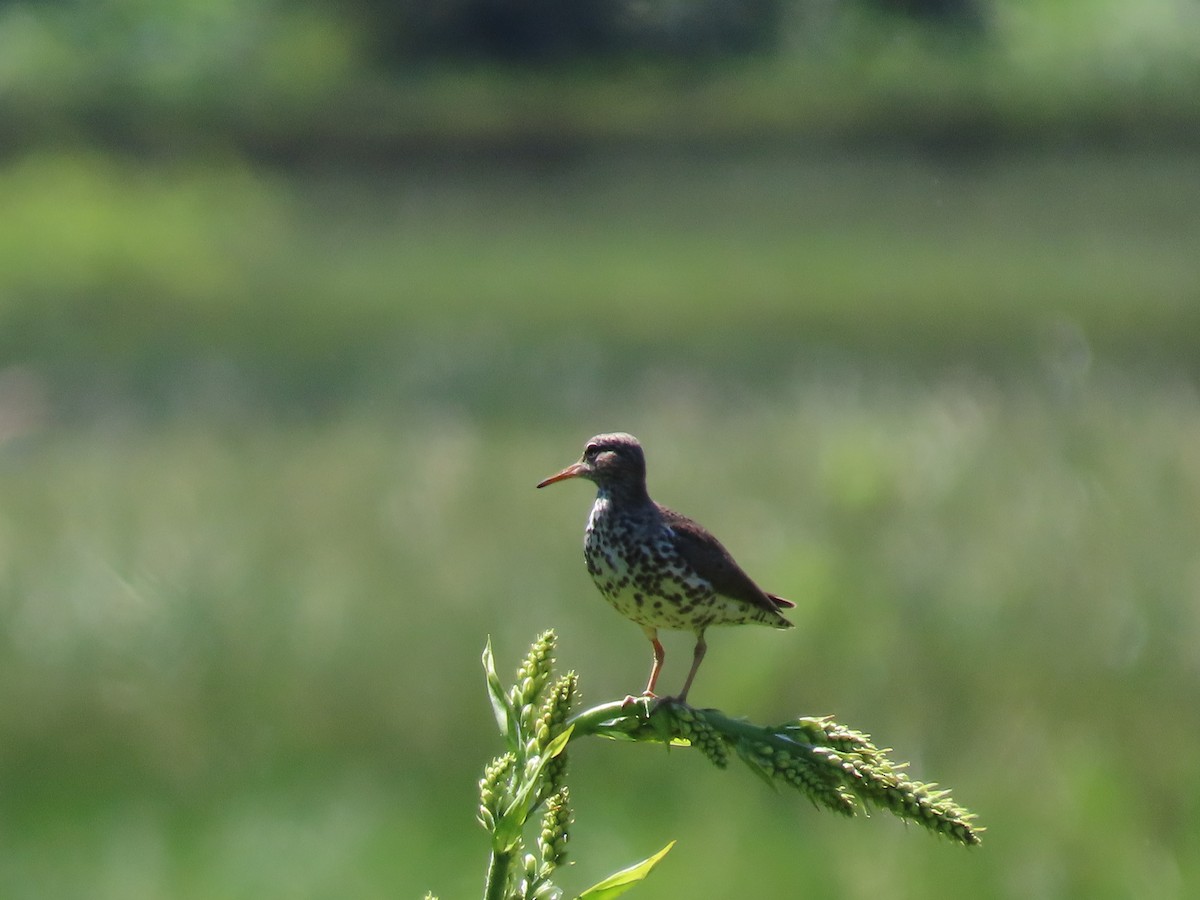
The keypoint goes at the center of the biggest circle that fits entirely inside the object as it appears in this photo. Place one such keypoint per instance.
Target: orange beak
(572, 471)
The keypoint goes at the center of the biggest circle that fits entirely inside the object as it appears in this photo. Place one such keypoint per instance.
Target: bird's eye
(591, 450)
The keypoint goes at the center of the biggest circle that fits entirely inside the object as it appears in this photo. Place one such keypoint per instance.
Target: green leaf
(619, 882)
(516, 814)
(502, 709)
(559, 744)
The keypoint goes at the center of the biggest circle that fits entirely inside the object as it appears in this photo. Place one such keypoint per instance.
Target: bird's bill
(572, 471)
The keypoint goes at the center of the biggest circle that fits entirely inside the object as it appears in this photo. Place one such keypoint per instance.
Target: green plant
(834, 766)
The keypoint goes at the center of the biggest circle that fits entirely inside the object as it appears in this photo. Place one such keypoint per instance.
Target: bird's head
(611, 461)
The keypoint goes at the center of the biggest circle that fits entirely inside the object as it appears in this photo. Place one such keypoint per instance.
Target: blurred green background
(299, 301)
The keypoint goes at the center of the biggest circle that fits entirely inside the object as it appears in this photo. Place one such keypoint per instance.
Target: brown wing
(712, 561)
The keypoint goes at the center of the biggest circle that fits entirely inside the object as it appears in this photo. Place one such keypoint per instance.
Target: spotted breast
(633, 562)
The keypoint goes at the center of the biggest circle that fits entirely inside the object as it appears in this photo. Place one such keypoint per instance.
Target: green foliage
(618, 883)
(832, 765)
(307, 79)
(232, 666)
(530, 776)
(174, 277)
(522, 780)
(835, 767)
(537, 31)
(266, 439)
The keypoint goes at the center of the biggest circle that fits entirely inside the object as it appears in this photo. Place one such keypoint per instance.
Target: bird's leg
(697, 656)
(659, 655)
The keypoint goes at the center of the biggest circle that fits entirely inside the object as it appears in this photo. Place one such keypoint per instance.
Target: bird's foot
(644, 700)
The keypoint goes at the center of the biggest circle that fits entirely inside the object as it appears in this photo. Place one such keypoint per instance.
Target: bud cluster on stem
(835, 767)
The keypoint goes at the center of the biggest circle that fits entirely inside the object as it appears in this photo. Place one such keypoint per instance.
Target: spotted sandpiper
(656, 567)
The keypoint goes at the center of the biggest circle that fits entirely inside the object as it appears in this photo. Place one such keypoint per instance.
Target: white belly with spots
(643, 580)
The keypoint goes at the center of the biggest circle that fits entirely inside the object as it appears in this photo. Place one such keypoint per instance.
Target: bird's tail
(782, 603)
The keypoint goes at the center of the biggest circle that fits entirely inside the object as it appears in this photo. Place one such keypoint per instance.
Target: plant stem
(587, 721)
(497, 875)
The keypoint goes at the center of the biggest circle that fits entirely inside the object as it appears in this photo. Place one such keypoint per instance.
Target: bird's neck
(623, 496)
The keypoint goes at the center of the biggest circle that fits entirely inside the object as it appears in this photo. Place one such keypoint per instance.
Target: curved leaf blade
(502, 709)
(619, 882)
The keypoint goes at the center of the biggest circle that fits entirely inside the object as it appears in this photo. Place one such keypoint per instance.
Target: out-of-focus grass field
(267, 456)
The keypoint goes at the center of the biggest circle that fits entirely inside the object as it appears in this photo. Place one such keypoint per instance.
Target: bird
(655, 566)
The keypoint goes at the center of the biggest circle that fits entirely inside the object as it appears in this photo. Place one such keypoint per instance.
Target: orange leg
(697, 656)
(659, 655)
